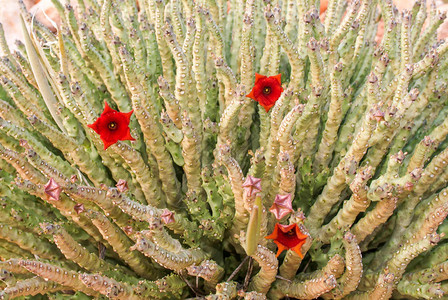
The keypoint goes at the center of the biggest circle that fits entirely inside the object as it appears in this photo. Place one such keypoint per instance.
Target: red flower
(266, 90)
(112, 126)
(288, 237)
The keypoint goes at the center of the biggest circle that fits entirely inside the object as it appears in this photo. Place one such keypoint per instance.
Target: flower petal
(258, 77)
(278, 78)
(107, 109)
(281, 248)
(107, 144)
(128, 115)
(297, 249)
(251, 95)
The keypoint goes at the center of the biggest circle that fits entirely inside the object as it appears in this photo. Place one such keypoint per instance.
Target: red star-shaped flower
(282, 206)
(53, 189)
(167, 216)
(266, 90)
(112, 126)
(288, 237)
(252, 185)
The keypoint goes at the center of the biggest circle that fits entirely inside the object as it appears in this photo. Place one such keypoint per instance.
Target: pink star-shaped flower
(252, 185)
(167, 216)
(79, 208)
(282, 206)
(128, 230)
(73, 178)
(122, 185)
(53, 189)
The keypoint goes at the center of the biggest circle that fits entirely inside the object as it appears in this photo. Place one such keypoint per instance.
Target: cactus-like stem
(78, 155)
(236, 182)
(23, 167)
(229, 117)
(292, 261)
(107, 286)
(286, 127)
(30, 287)
(357, 203)
(103, 198)
(382, 290)
(437, 273)
(191, 155)
(308, 289)
(38, 146)
(287, 184)
(337, 181)
(29, 241)
(297, 64)
(334, 119)
(397, 264)
(378, 215)
(13, 265)
(142, 172)
(168, 286)
(428, 33)
(266, 276)
(8, 112)
(56, 274)
(152, 134)
(224, 290)
(225, 74)
(418, 290)
(3, 44)
(23, 90)
(169, 260)
(209, 270)
(354, 136)
(121, 244)
(171, 103)
(354, 268)
(64, 205)
(73, 251)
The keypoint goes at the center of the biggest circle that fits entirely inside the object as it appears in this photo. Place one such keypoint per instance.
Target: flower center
(112, 125)
(267, 90)
(290, 233)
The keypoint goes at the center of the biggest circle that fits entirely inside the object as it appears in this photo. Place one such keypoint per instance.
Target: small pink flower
(252, 185)
(79, 208)
(167, 216)
(73, 178)
(282, 206)
(128, 230)
(53, 189)
(122, 185)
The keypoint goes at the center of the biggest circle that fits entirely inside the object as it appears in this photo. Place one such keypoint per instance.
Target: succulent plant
(173, 149)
